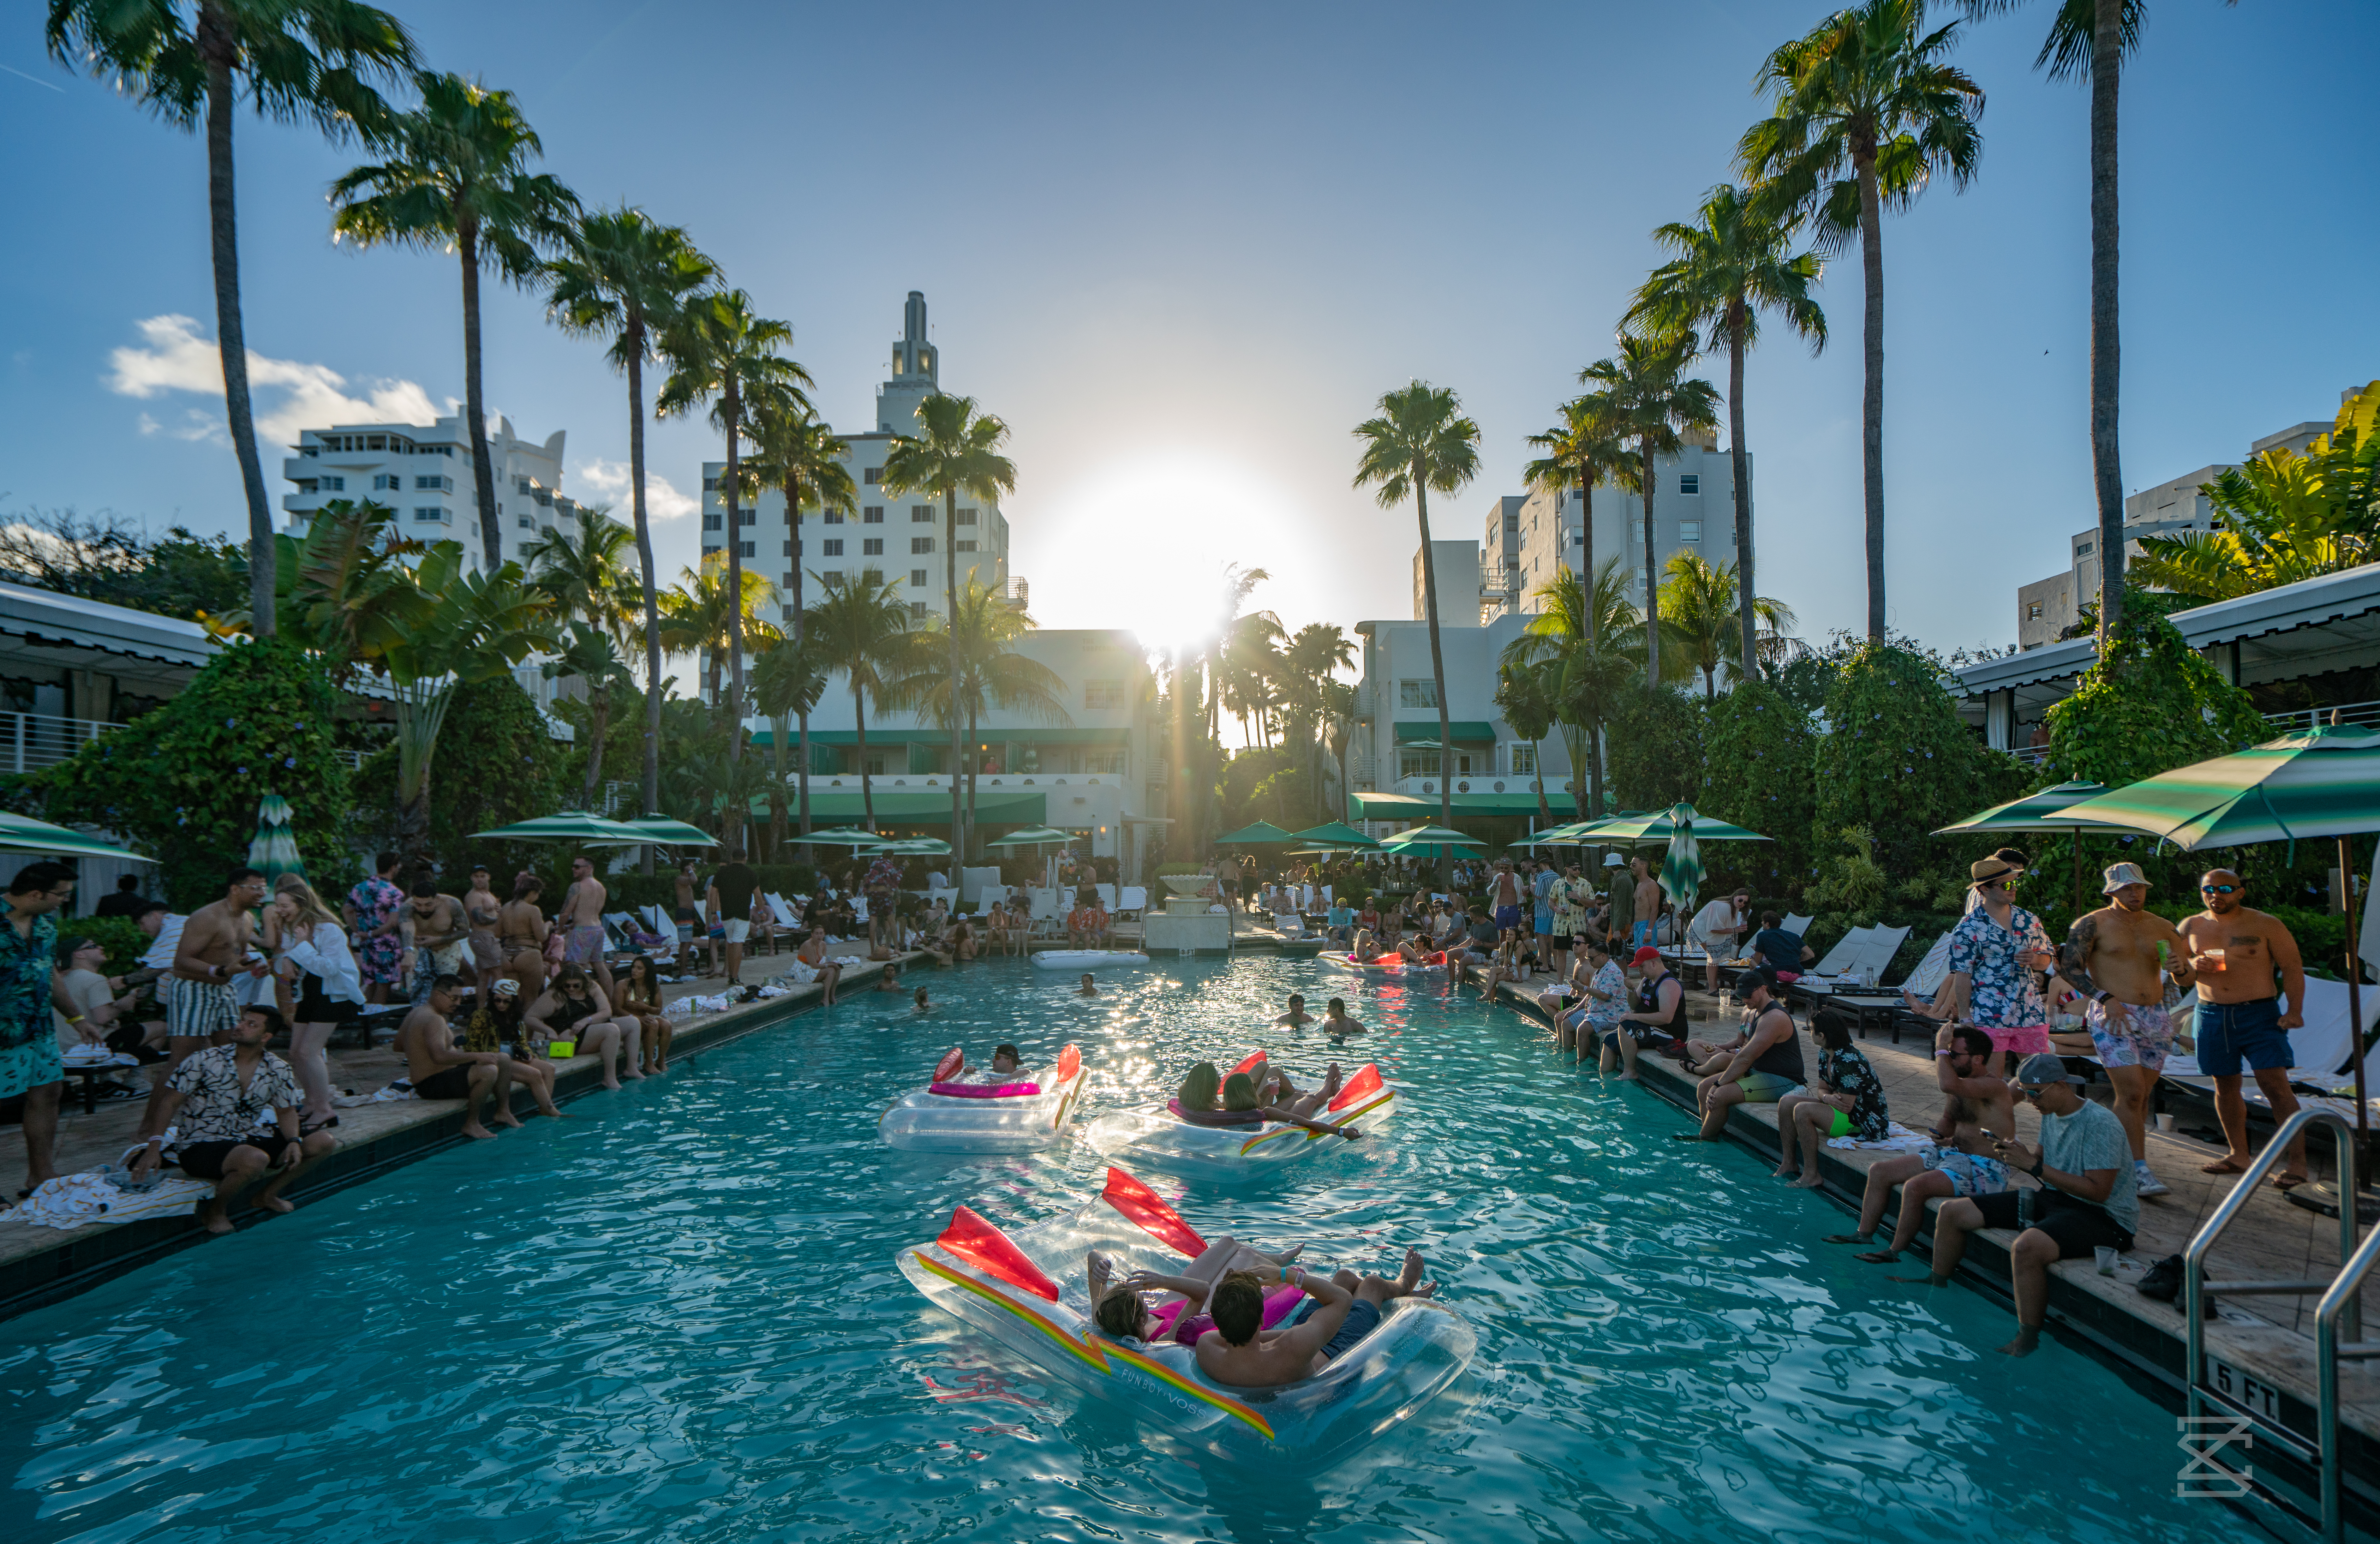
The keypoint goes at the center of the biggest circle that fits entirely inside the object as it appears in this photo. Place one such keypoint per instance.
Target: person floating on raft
(1232, 1307)
(1253, 1094)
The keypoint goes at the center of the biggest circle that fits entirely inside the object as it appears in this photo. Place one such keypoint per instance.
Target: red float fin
(1070, 1062)
(1366, 1081)
(1140, 1205)
(1249, 1063)
(949, 1065)
(983, 1246)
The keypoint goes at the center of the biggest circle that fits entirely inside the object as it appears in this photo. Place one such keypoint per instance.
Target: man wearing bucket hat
(2118, 957)
(1994, 952)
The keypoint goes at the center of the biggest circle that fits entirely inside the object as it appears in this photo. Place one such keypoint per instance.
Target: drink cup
(2215, 961)
(2106, 1255)
(2165, 1122)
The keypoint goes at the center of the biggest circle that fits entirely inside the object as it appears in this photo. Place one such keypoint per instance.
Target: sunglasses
(2219, 889)
(2032, 1095)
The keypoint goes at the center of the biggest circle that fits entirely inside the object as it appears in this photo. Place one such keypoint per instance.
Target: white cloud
(289, 394)
(609, 480)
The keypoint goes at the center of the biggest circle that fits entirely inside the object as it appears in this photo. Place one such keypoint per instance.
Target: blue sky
(1183, 251)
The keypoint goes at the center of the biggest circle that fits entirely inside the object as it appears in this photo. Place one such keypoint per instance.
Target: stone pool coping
(2142, 1338)
(40, 1266)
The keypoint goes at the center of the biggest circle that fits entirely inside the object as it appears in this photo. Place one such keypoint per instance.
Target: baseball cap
(1644, 956)
(2043, 1066)
(1758, 976)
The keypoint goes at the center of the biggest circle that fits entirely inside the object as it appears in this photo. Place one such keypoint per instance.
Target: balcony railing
(2295, 720)
(31, 741)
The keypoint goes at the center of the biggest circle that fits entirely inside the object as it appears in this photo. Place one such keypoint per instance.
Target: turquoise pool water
(676, 1317)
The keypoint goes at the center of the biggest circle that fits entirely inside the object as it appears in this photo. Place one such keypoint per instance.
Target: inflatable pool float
(1385, 964)
(984, 1117)
(1086, 959)
(1008, 1285)
(1227, 1144)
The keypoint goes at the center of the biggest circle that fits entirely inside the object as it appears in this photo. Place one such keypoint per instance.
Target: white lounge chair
(1932, 970)
(1844, 954)
(1877, 954)
(1132, 899)
(781, 910)
(659, 919)
(1798, 926)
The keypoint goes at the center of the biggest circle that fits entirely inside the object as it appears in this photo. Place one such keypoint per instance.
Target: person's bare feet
(1918, 1281)
(1782, 1171)
(276, 1204)
(507, 1118)
(2027, 1341)
(610, 1082)
(1331, 1081)
(633, 1075)
(1811, 1181)
(215, 1217)
(1410, 1278)
(477, 1132)
(1628, 1078)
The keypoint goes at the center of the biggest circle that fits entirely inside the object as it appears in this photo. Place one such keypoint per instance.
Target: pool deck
(40, 1265)
(2272, 1343)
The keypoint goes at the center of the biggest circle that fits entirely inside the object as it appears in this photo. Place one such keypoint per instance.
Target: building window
(744, 549)
(709, 552)
(966, 517)
(873, 547)
(1110, 761)
(306, 485)
(2033, 611)
(1418, 694)
(2083, 549)
(747, 516)
(793, 549)
(335, 484)
(1690, 530)
(1525, 761)
(1636, 533)
(831, 547)
(920, 544)
(709, 522)
(444, 484)
(919, 578)
(872, 476)
(873, 515)
(1690, 483)
(710, 486)
(1102, 694)
(916, 608)
(1578, 539)
(1417, 763)
(429, 512)
(521, 485)
(834, 516)
(391, 482)
(526, 523)
(966, 544)
(921, 514)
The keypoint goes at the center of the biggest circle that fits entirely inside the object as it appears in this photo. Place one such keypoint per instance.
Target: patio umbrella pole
(2349, 1184)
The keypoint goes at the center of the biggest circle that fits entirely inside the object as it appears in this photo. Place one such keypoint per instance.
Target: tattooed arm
(2074, 959)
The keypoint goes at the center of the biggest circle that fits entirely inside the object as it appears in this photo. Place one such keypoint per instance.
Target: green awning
(1408, 807)
(913, 807)
(942, 736)
(1462, 730)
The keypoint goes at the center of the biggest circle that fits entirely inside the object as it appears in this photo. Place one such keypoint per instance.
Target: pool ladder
(2338, 1320)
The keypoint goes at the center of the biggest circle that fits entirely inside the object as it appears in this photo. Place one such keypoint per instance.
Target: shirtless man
(690, 926)
(2237, 952)
(1647, 901)
(1297, 1017)
(1342, 1309)
(1504, 890)
(581, 921)
(1978, 1110)
(1335, 1022)
(440, 1071)
(2118, 957)
(437, 930)
(1090, 987)
(200, 1009)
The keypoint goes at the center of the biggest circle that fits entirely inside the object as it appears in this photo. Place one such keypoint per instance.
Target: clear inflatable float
(1008, 1285)
(1239, 1149)
(1086, 959)
(977, 1117)
(1385, 964)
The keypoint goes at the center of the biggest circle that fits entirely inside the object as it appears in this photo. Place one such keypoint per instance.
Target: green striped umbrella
(915, 846)
(1652, 831)
(1033, 836)
(1336, 833)
(1682, 866)
(1264, 833)
(845, 836)
(1574, 834)
(569, 825)
(273, 849)
(2046, 810)
(22, 834)
(670, 833)
(1432, 835)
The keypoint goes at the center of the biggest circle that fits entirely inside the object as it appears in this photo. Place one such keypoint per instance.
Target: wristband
(2102, 996)
(1946, 1053)
(77, 1019)
(157, 1141)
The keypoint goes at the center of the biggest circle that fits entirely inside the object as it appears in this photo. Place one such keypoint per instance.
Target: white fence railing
(31, 741)
(2359, 714)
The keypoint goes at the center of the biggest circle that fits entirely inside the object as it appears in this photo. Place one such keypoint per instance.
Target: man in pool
(1007, 1066)
(891, 979)
(1341, 1310)
(1297, 1017)
(1335, 1022)
(1089, 987)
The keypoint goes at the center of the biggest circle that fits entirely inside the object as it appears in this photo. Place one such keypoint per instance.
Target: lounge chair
(1932, 970)
(781, 910)
(1132, 899)
(1846, 950)
(1875, 955)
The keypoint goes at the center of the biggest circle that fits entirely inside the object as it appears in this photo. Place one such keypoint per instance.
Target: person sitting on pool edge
(1297, 1017)
(1123, 1309)
(1766, 1064)
(217, 1097)
(1242, 1095)
(1340, 1310)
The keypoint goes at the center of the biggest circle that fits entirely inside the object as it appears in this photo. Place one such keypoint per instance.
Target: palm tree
(591, 652)
(1338, 731)
(1731, 262)
(1867, 112)
(862, 628)
(796, 452)
(1650, 404)
(991, 674)
(622, 276)
(718, 348)
(1587, 631)
(955, 451)
(1312, 655)
(1587, 447)
(583, 564)
(788, 682)
(1421, 441)
(456, 180)
(296, 59)
(1698, 611)
(1525, 695)
(2083, 34)
(696, 617)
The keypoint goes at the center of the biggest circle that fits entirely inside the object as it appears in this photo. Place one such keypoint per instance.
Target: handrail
(2343, 1301)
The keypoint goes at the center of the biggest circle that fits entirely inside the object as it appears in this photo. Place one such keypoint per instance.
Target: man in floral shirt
(217, 1099)
(1995, 951)
(372, 923)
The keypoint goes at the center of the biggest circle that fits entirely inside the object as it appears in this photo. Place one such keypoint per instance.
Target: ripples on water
(676, 1317)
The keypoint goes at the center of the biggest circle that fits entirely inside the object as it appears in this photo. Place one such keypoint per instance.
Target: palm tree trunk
(483, 469)
(793, 524)
(951, 600)
(1537, 775)
(1871, 385)
(958, 860)
(1646, 480)
(776, 790)
(1586, 551)
(598, 720)
(802, 772)
(651, 788)
(1594, 766)
(2107, 342)
(231, 337)
(860, 724)
(733, 404)
(1738, 469)
(1438, 673)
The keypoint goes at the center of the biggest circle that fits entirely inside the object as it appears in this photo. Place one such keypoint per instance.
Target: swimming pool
(676, 1317)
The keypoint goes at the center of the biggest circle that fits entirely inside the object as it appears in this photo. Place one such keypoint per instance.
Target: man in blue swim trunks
(1504, 892)
(1340, 1311)
(2238, 951)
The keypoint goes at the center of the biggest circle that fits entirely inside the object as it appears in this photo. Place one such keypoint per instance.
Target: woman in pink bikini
(1179, 1311)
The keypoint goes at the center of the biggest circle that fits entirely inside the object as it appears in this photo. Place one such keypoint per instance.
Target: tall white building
(896, 539)
(423, 472)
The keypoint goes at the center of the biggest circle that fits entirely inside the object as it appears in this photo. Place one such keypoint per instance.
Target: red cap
(1645, 955)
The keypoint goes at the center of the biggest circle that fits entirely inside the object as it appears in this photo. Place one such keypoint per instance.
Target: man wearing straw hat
(2118, 957)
